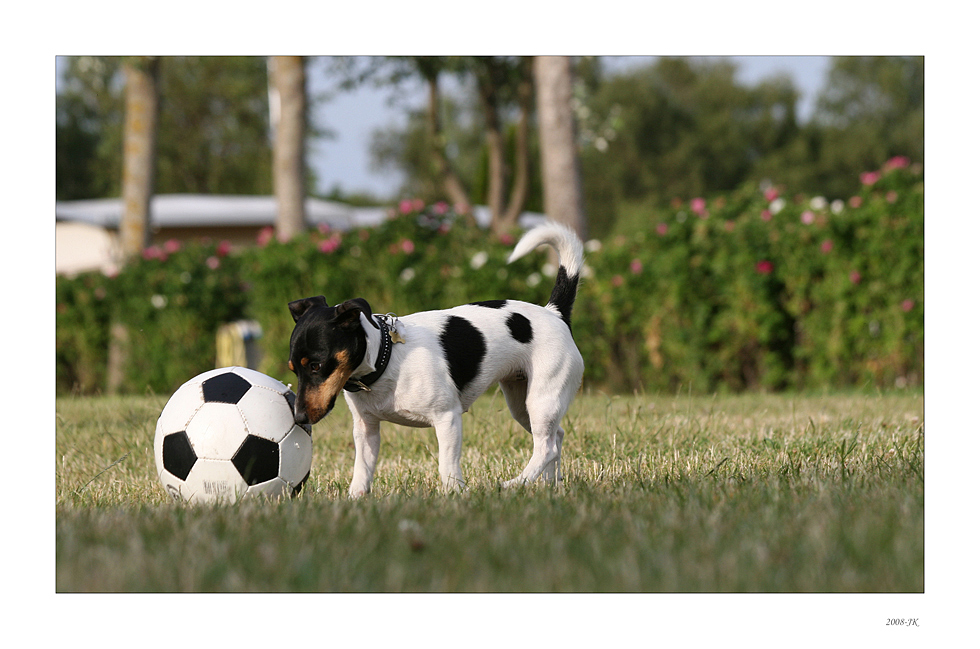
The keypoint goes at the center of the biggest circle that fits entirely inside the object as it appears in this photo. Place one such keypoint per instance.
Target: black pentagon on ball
(178, 455)
(257, 460)
(225, 388)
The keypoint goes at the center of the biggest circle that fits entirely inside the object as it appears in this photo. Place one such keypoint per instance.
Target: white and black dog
(427, 369)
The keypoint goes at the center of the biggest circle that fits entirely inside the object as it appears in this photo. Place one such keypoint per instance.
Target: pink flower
(855, 277)
(171, 246)
(507, 239)
(771, 194)
(418, 204)
(908, 305)
(891, 196)
(807, 217)
(213, 262)
(153, 252)
(870, 177)
(826, 246)
(766, 215)
(441, 208)
(898, 162)
(405, 206)
(855, 202)
(223, 248)
(636, 266)
(323, 228)
(265, 236)
(407, 246)
(329, 245)
(617, 281)
(764, 267)
(698, 206)
(662, 229)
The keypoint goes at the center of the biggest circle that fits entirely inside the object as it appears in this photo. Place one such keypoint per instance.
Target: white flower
(533, 279)
(549, 270)
(777, 205)
(837, 206)
(159, 301)
(407, 275)
(593, 245)
(818, 203)
(479, 259)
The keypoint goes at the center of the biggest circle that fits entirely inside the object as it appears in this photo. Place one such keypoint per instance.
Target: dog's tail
(569, 248)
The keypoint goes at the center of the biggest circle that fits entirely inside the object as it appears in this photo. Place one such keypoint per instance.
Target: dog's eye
(314, 367)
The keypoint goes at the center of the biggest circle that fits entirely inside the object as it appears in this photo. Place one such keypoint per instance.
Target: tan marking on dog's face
(320, 399)
(304, 362)
(292, 368)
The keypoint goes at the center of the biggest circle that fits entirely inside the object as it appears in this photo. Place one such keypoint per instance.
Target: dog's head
(326, 346)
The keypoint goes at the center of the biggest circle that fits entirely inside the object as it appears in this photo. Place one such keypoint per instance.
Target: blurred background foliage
(753, 290)
(735, 247)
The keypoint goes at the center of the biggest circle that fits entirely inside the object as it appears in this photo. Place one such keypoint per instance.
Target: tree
(288, 90)
(498, 77)
(559, 148)
(139, 153)
(212, 136)
(871, 109)
(503, 87)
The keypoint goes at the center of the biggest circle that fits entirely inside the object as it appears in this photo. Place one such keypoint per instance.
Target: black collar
(384, 355)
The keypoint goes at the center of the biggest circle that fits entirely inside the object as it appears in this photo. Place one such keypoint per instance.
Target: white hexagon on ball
(229, 433)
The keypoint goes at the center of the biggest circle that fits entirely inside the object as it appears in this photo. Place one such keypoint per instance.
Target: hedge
(751, 290)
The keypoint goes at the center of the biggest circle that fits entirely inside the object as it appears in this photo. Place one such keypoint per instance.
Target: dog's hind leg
(515, 392)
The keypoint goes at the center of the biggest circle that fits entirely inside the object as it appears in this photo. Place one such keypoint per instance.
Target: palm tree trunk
(559, 152)
(288, 99)
(139, 152)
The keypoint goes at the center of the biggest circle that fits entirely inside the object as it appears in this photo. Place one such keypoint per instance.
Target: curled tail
(569, 248)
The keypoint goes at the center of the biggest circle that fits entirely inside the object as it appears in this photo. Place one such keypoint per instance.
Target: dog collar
(384, 355)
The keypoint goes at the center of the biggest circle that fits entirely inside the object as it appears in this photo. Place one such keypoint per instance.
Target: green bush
(748, 291)
(170, 301)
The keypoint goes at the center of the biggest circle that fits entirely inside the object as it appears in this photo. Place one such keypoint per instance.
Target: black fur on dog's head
(326, 346)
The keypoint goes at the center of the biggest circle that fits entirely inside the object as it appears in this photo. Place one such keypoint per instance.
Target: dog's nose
(299, 416)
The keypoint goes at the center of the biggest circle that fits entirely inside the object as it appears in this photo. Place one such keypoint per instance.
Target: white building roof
(199, 210)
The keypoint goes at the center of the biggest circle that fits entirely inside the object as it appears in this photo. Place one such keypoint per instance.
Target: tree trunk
(288, 108)
(559, 151)
(497, 170)
(444, 171)
(520, 184)
(139, 152)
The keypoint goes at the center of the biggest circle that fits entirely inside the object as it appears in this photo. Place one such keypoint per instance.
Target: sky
(344, 161)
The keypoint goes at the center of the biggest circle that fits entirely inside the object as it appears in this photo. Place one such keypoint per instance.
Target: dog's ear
(299, 307)
(348, 313)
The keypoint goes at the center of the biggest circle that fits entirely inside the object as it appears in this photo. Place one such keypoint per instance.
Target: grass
(661, 494)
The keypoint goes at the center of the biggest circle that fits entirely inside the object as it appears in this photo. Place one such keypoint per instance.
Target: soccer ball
(229, 433)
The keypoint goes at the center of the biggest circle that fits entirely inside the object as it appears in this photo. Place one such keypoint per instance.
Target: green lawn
(661, 494)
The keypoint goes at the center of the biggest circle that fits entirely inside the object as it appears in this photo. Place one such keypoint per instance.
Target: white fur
(539, 379)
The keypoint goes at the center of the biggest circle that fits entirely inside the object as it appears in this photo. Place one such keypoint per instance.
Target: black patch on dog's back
(464, 348)
(520, 328)
(491, 304)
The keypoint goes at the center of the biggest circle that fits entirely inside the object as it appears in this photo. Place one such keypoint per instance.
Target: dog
(426, 369)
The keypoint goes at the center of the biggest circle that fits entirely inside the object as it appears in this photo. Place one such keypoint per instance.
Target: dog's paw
(355, 493)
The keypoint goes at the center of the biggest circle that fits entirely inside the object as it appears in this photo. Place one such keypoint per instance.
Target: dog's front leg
(449, 433)
(367, 443)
